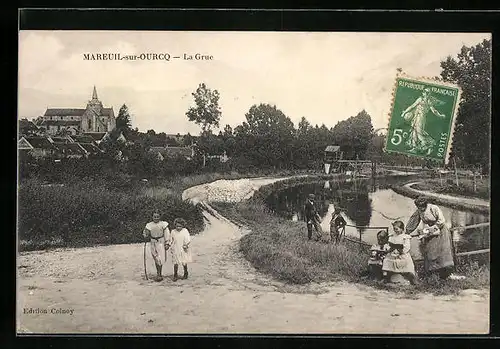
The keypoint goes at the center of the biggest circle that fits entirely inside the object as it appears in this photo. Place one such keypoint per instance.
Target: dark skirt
(438, 251)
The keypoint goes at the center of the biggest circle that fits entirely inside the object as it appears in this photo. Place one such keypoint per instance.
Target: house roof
(26, 125)
(57, 139)
(172, 151)
(96, 136)
(91, 148)
(40, 143)
(64, 112)
(332, 148)
(71, 148)
(83, 139)
(23, 144)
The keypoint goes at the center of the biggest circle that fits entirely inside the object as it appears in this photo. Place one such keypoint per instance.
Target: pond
(367, 202)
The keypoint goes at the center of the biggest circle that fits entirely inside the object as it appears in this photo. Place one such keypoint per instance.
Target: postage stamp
(422, 118)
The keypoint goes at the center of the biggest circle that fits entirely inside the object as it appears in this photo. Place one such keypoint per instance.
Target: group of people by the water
(337, 222)
(162, 239)
(391, 254)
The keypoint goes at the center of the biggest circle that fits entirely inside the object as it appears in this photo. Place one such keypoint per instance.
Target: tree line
(268, 139)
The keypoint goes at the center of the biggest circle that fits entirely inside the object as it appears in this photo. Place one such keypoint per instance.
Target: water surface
(369, 203)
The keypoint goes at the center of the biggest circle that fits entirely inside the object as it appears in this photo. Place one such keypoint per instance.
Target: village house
(58, 146)
(28, 128)
(92, 119)
(71, 150)
(171, 152)
(222, 158)
(38, 147)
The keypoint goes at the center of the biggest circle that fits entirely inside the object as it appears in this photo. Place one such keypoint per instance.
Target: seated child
(377, 255)
(398, 260)
(336, 224)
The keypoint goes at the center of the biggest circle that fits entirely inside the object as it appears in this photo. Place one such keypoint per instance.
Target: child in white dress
(398, 260)
(179, 247)
(157, 233)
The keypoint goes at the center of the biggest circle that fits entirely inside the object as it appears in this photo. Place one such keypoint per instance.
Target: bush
(281, 248)
(87, 213)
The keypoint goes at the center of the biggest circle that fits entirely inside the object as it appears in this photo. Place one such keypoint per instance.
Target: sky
(323, 76)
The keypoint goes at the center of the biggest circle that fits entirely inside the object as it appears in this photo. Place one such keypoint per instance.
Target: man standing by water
(312, 217)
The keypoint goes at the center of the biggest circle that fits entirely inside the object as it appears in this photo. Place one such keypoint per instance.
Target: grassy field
(280, 248)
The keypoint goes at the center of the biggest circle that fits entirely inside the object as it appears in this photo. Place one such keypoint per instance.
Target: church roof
(60, 123)
(64, 112)
(107, 112)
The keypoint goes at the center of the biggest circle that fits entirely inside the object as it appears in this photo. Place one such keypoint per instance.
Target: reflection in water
(371, 203)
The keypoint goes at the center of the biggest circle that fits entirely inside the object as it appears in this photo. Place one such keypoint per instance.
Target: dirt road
(103, 290)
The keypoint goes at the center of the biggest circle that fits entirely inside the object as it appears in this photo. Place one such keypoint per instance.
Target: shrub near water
(280, 248)
(88, 213)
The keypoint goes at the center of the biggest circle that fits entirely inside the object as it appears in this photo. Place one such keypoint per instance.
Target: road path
(103, 290)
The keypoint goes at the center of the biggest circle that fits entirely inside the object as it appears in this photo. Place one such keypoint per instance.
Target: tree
(207, 111)
(266, 137)
(471, 70)
(123, 121)
(354, 135)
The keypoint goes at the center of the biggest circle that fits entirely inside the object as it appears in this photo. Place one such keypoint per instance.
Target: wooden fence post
(474, 182)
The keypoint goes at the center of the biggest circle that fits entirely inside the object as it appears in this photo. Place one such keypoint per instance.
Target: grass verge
(463, 206)
(465, 187)
(280, 248)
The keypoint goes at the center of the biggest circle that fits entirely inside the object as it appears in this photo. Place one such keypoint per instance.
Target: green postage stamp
(422, 118)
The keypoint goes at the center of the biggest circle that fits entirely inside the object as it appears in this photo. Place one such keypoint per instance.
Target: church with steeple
(95, 118)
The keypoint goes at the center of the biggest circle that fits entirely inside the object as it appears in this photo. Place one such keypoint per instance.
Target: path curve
(459, 202)
(103, 290)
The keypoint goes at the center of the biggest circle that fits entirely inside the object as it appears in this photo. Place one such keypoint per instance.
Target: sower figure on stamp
(158, 234)
(312, 218)
(419, 139)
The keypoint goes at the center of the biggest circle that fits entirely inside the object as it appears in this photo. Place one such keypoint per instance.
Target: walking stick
(145, 271)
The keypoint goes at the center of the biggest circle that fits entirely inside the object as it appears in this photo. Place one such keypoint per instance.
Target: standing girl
(179, 247)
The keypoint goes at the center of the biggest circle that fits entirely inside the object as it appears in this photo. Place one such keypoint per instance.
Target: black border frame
(248, 20)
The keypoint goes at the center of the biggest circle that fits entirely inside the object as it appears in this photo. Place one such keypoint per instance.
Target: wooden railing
(468, 227)
(459, 228)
